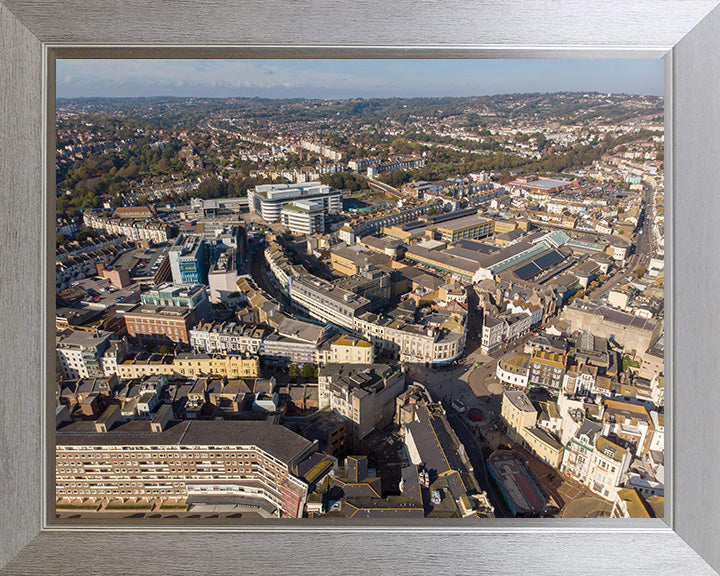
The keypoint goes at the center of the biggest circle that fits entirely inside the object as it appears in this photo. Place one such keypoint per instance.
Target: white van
(458, 406)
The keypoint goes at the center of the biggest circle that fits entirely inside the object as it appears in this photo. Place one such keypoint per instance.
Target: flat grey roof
(331, 291)
(519, 399)
(475, 246)
(443, 258)
(150, 309)
(358, 375)
(305, 331)
(381, 243)
(86, 339)
(471, 255)
(276, 440)
(615, 316)
(352, 253)
(463, 222)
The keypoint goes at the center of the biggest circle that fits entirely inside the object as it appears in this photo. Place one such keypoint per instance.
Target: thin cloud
(354, 78)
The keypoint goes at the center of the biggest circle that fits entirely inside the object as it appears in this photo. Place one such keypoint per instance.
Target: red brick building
(160, 323)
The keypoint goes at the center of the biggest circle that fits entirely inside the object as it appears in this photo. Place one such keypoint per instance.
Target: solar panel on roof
(538, 265)
(547, 260)
(528, 271)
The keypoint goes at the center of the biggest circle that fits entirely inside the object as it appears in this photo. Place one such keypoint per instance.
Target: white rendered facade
(577, 458)
(211, 338)
(346, 350)
(131, 229)
(128, 467)
(410, 343)
(222, 283)
(80, 354)
(514, 369)
(223, 276)
(279, 267)
(519, 307)
(493, 331)
(326, 302)
(607, 468)
(596, 461)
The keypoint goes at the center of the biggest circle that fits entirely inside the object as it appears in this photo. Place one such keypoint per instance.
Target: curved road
(258, 270)
(474, 453)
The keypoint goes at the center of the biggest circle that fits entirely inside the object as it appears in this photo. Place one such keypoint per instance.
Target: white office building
(269, 199)
(304, 217)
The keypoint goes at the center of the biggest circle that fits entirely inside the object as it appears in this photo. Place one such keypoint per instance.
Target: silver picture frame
(33, 34)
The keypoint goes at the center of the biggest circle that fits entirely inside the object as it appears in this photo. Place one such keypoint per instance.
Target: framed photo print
(412, 288)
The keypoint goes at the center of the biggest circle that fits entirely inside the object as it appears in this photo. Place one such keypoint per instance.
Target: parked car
(458, 406)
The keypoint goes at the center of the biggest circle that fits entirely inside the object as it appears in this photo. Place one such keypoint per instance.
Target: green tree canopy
(308, 371)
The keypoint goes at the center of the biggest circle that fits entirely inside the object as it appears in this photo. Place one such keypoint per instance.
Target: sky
(334, 79)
